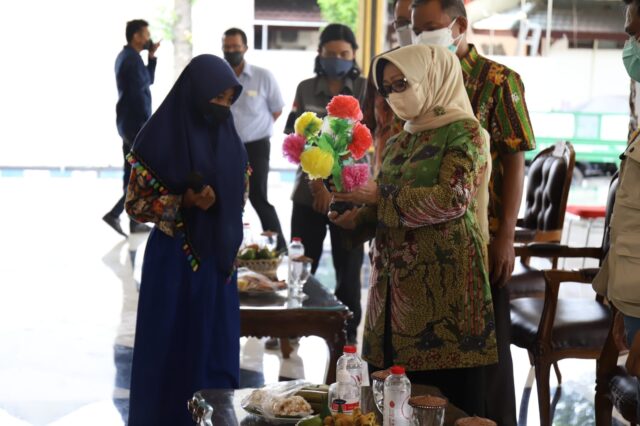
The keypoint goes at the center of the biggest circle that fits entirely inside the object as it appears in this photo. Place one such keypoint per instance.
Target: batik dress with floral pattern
(429, 257)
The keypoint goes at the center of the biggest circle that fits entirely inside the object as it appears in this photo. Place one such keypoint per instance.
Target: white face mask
(405, 105)
(404, 35)
(442, 37)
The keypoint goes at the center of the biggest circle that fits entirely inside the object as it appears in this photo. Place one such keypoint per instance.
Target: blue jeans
(631, 327)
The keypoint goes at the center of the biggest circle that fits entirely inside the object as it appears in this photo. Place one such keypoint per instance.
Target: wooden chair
(549, 180)
(614, 386)
(523, 325)
(552, 329)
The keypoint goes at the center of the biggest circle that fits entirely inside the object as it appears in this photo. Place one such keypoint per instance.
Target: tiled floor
(68, 297)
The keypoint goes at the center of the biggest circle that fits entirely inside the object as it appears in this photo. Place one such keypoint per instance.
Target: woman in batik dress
(429, 306)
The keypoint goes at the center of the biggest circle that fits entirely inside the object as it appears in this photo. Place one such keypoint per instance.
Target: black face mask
(234, 58)
(215, 113)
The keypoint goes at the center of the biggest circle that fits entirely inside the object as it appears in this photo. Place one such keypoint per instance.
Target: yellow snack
(345, 421)
(354, 419)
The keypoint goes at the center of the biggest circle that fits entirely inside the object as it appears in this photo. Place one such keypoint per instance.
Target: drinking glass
(377, 388)
(428, 410)
(300, 273)
(269, 240)
(475, 421)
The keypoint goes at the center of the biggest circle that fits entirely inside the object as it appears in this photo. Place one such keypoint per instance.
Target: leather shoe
(138, 228)
(114, 223)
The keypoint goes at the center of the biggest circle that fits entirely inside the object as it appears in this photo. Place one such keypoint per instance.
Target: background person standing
(133, 109)
(378, 115)
(336, 74)
(497, 97)
(258, 107)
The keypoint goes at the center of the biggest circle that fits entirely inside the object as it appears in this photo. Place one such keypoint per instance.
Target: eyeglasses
(399, 23)
(397, 86)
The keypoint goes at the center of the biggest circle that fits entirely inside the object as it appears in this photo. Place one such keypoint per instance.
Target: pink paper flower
(344, 106)
(355, 176)
(292, 147)
(361, 141)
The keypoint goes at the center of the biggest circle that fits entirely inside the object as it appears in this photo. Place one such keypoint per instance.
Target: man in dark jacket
(133, 109)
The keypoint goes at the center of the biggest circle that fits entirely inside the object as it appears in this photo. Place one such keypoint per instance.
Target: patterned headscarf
(434, 74)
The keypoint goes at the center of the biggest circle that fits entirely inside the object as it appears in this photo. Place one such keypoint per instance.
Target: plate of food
(287, 402)
(253, 283)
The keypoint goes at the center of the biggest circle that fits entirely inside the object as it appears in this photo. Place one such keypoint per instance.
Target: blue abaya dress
(188, 324)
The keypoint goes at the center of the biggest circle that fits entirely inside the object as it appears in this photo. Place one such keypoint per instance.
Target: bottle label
(357, 379)
(398, 413)
(342, 406)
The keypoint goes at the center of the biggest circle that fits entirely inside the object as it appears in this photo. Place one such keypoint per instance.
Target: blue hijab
(178, 141)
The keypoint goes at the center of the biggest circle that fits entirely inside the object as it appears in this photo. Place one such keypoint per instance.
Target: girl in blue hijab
(189, 177)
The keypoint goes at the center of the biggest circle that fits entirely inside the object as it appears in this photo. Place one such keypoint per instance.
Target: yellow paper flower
(317, 163)
(308, 124)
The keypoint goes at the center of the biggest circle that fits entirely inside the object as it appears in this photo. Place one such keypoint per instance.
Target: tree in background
(175, 25)
(182, 43)
(340, 11)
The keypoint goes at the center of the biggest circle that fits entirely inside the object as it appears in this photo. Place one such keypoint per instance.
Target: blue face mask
(335, 67)
(631, 58)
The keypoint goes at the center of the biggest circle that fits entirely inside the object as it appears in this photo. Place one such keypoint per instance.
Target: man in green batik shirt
(497, 97)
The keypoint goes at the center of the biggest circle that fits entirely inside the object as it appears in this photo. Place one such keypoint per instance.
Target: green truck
(598, 138)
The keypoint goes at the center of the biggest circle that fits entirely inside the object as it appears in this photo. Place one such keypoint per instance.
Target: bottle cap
(343, 376)
(349, 349)
(396, 369)
(296, 239)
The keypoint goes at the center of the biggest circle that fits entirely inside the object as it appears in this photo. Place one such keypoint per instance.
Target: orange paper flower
(361, 141)
(343, 106)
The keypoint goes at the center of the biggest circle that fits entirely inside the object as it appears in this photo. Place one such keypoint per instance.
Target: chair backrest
(550, 175)
(611, 199)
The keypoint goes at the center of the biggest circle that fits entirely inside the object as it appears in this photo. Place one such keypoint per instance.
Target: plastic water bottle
(296, 249)
(351, 362)
(344, 395)
(397, 391)
(247, 238)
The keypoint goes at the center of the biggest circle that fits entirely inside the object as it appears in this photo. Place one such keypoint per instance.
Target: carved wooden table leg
(285, 347)
(334, 333)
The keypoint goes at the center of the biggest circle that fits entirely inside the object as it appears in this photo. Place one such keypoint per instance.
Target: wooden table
(277, 315)
(221, 407)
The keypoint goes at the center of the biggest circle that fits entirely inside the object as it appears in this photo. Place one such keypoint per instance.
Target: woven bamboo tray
(268, 267)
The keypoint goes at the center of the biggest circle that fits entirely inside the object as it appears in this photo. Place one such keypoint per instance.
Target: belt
(259, 140)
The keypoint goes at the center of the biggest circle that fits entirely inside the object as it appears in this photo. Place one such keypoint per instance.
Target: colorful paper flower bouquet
(331, 147)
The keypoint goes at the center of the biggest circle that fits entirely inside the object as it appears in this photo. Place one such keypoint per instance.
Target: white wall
(567, 79)
(211, 18)
(57, 86)
(57, 79)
